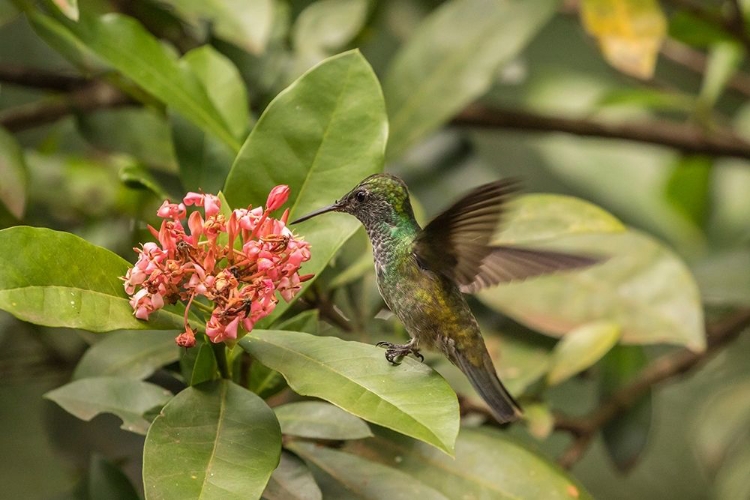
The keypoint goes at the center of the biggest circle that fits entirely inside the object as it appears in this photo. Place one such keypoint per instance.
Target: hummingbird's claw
(394, 352)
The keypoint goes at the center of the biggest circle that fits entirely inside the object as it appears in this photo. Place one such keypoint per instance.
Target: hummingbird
(423, 273)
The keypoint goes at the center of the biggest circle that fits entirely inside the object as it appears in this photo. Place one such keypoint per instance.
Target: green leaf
(625, 436)
(214, 440)
(68, 7)
(126, 45)
(205, 367)
(127, 398)
(14, 176)
(223, 85)
(692, 29)
(245, 24)
(322, 29)
(142, 133)
(581, 348)
(654, 99)
(263, 381)
(328, 25)
(731, 481)
(131, 354)
(137, 176)
(723, 60)
(724, 277)
(452, 59)
(54, 278)
(723, 421)
(204, 160)
(488, 464)
(643, 287)
(409, 398)
(539, 419)
(321, 136)
(688, 188)
(343, 475)
(292, 480)
(318, 420)
(59, 37)
(540, 218)
(306, 321)
(106, 481)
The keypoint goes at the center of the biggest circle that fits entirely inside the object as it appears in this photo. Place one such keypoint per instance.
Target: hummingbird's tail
(486, 382)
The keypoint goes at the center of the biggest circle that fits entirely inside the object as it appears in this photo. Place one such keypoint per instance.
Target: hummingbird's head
(378, 198)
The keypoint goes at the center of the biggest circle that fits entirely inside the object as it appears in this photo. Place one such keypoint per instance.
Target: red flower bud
(277, 197)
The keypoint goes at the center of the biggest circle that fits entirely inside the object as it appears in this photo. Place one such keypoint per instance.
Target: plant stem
(220, 351)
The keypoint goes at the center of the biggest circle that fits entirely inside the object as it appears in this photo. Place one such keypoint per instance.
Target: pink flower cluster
(233, 267)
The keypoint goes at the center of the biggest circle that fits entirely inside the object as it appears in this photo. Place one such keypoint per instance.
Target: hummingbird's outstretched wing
(457, 243)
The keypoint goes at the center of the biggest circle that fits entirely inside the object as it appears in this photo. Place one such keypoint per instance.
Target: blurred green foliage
(108, 106)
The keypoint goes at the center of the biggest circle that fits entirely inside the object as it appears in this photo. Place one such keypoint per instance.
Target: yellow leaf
(629, 32)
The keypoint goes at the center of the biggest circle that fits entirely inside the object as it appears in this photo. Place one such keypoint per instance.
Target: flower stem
(220, 351)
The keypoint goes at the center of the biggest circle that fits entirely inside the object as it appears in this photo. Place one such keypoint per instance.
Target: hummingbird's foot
(394, 352)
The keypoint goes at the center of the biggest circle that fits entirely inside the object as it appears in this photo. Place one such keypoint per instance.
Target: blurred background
(651, 124)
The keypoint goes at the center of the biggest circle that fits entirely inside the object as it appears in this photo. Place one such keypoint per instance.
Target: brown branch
(94, 96)
(584, 429)
(41, 79)
(684, 137)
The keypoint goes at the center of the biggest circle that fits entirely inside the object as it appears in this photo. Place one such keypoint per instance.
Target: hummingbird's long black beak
(329, 208)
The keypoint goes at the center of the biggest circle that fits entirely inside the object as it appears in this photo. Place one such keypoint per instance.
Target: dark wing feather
(504, 264)
(457, 244)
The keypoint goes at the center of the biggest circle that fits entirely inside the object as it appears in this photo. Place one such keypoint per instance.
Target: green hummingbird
(422, 273)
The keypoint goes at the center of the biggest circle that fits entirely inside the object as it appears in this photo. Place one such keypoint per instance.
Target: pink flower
(234, 265)
(277, 197)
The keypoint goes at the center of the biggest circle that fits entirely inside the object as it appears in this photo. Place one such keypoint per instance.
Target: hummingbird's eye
(360, 195)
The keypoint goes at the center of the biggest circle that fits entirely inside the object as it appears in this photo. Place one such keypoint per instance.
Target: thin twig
(585, 428)
(667, 367)
(684, 137)
(41, 79)
(95, 96)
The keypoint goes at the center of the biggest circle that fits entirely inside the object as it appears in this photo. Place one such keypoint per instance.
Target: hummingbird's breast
(431, 307)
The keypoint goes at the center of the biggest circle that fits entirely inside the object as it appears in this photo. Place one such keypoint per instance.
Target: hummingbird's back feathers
(457, 244)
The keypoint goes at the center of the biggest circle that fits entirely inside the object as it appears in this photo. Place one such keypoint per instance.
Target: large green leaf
(127, 398)
(539, 218)
(132, 354)
(13, 174)
(625, 436)
(54, 278)
(142, 133)
(214, 440)
(246, 24)
(644, 288)
(580, 348)
(344, 475)
(321, 136)
(105, 480)
(203, 159)
(292, 480)
(318, 420)
(409, 398)
(489, 465)
(126, 45)
(452, 59)
(723, 421)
